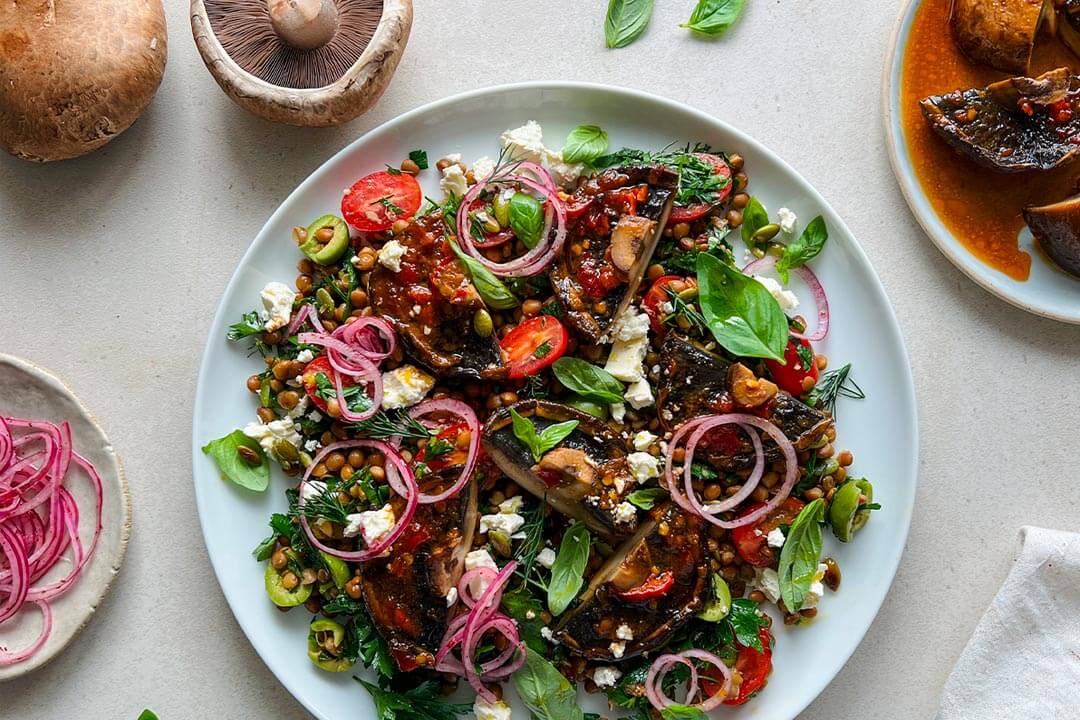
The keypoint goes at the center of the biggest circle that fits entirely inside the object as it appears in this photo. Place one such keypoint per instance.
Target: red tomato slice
(376, 201)
(690, 213)
(658, 295)
(753, 668)
(313, 368)
(791, 375)
(533, 345)
(456, 456)
(750, 540)
(655, 586)
(576, 205)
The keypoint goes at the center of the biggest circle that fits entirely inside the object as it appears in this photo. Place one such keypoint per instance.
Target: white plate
(28, 391)
(1048, 291)
(881, 430)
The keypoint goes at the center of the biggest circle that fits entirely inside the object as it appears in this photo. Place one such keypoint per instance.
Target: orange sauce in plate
(981, 208)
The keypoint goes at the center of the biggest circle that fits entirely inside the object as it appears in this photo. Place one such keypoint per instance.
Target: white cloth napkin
(1023, 662)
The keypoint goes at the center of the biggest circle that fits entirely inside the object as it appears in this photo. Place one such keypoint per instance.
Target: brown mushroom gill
(999, 33)
(1057, 228)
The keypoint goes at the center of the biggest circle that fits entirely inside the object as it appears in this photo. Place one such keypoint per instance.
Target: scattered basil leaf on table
(712, 17)
(588, 380)
(540, 443)
(147, 715)
(526, 218)
(625, 21)
(420, 158)
(682, 712)
(743, 316)
(584, 144)
(491, 289)
(646, 499)
(544, 690)
(568, 571)
(746, 622)
(800, 555)
(804, 249)
(755, 217)
(226, 455)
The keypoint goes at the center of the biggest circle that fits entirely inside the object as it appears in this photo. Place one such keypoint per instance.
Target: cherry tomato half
(321, 365)
(658, 295)
(690, 213)
(533, 345)
(750, 540)
(655, 586)
(790, 376)
(454, 456)
(376, 201)
(753, 668)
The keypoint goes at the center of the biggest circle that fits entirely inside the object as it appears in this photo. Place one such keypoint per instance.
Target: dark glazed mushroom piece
(1057, 228)
(999, 33)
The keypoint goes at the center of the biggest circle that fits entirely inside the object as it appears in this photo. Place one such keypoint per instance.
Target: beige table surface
(111, 267)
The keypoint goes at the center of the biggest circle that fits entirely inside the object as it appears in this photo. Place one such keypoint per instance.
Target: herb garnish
(420, 158)
(544, 690)
(832, 385)
(625, 21)
(542, 350)
(540, 443)
(387, 203)
(584, 144)
(490, 288)
(388, 423)
(423, 702)
(807, 247)
(646, 498)
(233, 466)
(743, 316)
(713, 17)
(800, 555)
(568, 572)
(588, 380)
(250, 324)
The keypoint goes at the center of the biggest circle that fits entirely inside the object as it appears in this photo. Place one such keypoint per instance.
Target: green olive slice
(322, 636)
(277, 591)
(845, 515)
(717, 607)
(326, 251)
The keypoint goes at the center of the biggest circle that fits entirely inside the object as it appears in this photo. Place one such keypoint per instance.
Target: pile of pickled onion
(39, 521)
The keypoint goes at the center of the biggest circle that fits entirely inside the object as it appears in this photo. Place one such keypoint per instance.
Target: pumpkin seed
(324, 301)
(285, 451)
(501, 542)
(490, 224)
(765, 233)
(501, 207)
(482, 323)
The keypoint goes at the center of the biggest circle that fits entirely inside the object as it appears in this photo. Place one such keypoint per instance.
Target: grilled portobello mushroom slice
(431, 303)
(695, 382)
(1014, 125)
(653, 584)
(585, 477)
(406, 591)
(1057, 228)
(617, 219)
(999, 33)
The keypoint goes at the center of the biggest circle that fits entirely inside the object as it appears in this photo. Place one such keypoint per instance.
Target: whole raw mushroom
(75, 74)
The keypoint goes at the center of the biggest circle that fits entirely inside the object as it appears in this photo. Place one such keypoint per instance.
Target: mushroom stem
(304, 24)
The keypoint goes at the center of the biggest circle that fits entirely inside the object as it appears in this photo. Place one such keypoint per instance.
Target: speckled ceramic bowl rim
(50, 651)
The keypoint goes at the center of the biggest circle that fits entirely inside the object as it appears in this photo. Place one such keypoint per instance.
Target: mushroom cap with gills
(1057, 228)
(998, 33)
(585, 477)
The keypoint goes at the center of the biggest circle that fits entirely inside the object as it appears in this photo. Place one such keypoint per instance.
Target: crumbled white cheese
(390, 255)
(562, 172)
(311, 444)
(453, 182)
(623, 632)
(624, 512)
(643, 466)
(666, 307)
(453, 157)
(527, 143)
(405, 386)
(787, 220)
(775, 538)
(277, 299)
(787, 299)
(630, 324)
(545, 632)
(305, 356)
(372, 525)
(816, 590)
(643, 440)
(266, 435)
(299, 409)
(451, 596)
(475, 559)
(312, 489)
(497, 710)
(546, 557)
(483, 167)
(511, 505)
(624, 362)
(315, 416)
(508, 523)
(639, 394)
(768, 582)
(617, 649)
(606, 676)
(618, 412)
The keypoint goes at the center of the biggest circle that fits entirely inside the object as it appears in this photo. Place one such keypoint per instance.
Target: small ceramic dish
(28, 391)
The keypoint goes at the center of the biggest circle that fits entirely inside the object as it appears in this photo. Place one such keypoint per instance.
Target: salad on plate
(564, 425)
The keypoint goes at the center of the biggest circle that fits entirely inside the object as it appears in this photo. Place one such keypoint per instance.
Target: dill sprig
(833, 385)
(325, 505)
(698, 182)
(533, 543)
(386, 424)
(682, 308)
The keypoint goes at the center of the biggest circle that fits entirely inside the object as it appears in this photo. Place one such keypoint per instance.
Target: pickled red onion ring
(816, 290)
(466, 413)
(654, 681)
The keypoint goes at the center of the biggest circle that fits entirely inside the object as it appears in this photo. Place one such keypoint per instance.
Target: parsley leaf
(745, 621)
(250, 324)
(420, 158)
(422, 702)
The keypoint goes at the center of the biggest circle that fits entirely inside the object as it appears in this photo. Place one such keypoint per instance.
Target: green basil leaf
(754, 218)
(526, 218)
(420, 158)
(552, 435)
(800, 555)
(588, 380)
(233, 467)
(625, 21)
(525, 431)
(682, 712)
(743, 316)
(544, 690)
(147, 715)
(491, 289)
(806, 248)
(568, 571)
(518, 604)
(584, 144)
(646, 499)
(746, 621)
(712, 17)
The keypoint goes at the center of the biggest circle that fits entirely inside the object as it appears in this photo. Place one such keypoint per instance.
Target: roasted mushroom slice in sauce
(431, 303)
(615, 220)
(999, 33)
(1013, 125)
(649, 587)
(406, 592)
(1057, 228)
(586, 476)
(695, 382)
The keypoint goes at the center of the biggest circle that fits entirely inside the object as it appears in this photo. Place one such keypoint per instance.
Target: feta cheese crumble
(775, 538)
(787, 220)
(527, 143)
(546, 558)
(453, 182)
(623, 632)
(372, 525)
(497, 710)
(451, 597)
(606, 676)
(305, 356)
(312, 489)
(643, 466)
(405, 386)
(787, 299)
(475, 559)
(390, 255)
(508, 523)
(277, 299)
(643, 440)
(483, 167)
(768, 582)
(639, 394)
(618, 412)
(624, 362)
(617, 649)
(624, 512)
(266, 435)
